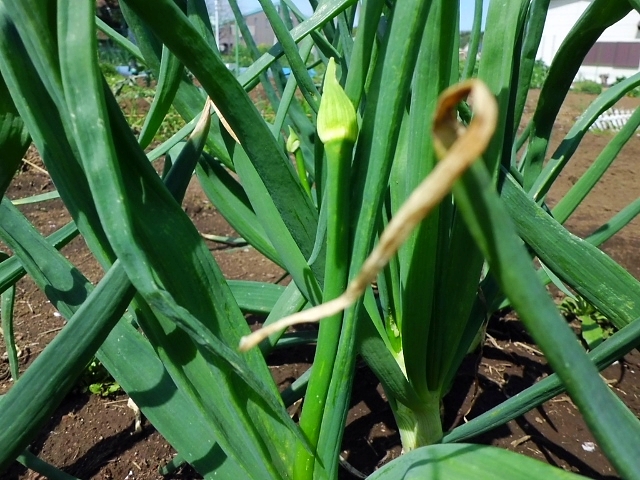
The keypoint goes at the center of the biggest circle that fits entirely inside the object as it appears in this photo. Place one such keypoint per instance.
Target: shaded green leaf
(461, 462)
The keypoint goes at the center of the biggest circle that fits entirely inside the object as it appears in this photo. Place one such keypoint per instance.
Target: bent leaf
(463, 462)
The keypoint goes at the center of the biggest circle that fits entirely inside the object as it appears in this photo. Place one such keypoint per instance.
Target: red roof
(614, 54)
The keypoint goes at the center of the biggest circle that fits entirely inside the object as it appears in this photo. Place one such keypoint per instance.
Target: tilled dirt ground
(93, 437)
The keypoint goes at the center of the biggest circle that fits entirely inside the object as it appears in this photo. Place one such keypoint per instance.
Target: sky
(466, 9)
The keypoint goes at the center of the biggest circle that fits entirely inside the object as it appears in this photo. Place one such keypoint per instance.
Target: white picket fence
(612, 119)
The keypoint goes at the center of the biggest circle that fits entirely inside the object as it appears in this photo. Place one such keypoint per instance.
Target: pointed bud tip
(293, 142)
(337, 120)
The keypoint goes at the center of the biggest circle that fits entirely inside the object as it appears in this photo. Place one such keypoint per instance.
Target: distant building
(258, 25)
(257, 22)
(615, 54)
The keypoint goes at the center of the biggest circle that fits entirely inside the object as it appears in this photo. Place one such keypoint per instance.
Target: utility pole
(237, 49)
(213, 7)
(216, 21)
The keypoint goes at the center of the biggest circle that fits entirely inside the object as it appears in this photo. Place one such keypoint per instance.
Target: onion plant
(389, 157)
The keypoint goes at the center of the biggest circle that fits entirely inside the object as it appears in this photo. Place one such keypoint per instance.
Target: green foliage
(634, 93)
(136, 96)
(595, 328)
(540, 72)
(587, 86)
(319, 222)
(111, 53)
(461, 67)
(97, 380)
(465, 37)
(109, 71)
(243, 53)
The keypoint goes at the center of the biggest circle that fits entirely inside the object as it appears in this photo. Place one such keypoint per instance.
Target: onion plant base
(419, 428)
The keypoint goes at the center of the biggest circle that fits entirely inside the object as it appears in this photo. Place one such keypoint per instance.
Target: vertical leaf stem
(8, 298)
(474, 41)
(337, 129)
(336, 273)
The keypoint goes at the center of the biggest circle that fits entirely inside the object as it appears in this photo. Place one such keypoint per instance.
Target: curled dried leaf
(457, 147)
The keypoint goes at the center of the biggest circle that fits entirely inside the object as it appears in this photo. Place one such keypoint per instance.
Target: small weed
(98, 381)
(594, 326)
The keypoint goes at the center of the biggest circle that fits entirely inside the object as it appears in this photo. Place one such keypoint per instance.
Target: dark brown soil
(93, 437)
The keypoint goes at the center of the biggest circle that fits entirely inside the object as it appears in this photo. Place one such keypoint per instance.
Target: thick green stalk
(372, 160)
(536, 17)
(474, 42)
(336, 269)
(419, 427)
(337, 129)
(14, 137)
